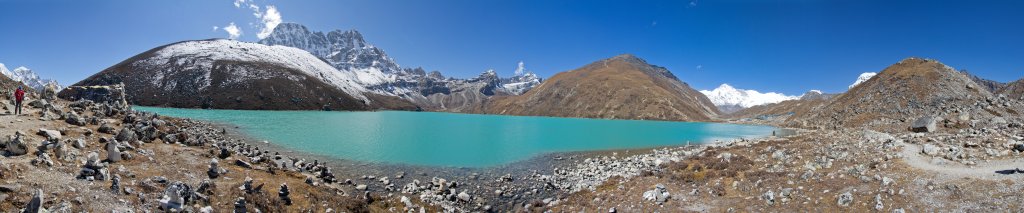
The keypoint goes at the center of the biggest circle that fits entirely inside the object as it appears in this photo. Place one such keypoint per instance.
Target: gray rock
(49, 134)
(15, 146)
(878, 203)
(126, 135)
(998, 120)
(78, 143)
(106, 128)
(242, 163)
(361, 187)
(115, 184)
(658, 194)
(240, 205)
(38, 103)
(283, 194)
(845, 199)
(1019, 148)
(214, 170)
(769, 197)
(74, 119)
(36, 204)
(930, 149)
(924, 124)
(463, 196)
(113, 153)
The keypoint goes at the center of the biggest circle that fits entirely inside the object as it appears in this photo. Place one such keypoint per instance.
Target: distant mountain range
(894, 97)
(295, 68)
(347, 51)
(28, 77)
(729, 99)
(334, 70)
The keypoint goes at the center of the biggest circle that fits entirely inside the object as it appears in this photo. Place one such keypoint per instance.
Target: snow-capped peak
(28, 77)
(862, 78)
(726, 95)
(814, 91)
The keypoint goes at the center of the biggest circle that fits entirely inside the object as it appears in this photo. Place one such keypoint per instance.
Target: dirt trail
(983, 170)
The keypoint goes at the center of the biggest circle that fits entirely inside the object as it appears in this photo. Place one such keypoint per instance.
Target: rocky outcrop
(111, 94)
(899, 94)
(1014, 90)
(621, 87)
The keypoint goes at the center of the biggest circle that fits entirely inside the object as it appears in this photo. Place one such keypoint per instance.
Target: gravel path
(992, 170)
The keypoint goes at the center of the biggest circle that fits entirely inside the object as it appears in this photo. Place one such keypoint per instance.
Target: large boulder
(14, 145)
(50, 91)
(111, 94)
(924, 124)
(53, 135)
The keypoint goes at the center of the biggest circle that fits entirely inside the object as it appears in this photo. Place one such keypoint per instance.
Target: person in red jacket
(19, 96)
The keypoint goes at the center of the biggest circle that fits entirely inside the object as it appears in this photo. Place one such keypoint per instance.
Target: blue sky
(770, 45)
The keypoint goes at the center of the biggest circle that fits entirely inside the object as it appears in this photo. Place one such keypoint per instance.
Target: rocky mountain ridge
(621, 87)
(373, 69)
(729, 99)
(228, 74)
(28, 77)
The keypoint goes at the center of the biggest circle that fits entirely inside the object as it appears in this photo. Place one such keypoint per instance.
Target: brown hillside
(902, 92)
(1014, 89)
(621, 87)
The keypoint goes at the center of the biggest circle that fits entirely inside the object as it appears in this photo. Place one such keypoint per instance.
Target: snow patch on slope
(862, 78)
(726, 95)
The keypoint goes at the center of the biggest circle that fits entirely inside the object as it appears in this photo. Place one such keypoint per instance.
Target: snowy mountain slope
(348, 51)
(345, 50)
(229, 74)
(28, 77)
(726, 95)
(520, 82)
(207, 52)
(862, 78)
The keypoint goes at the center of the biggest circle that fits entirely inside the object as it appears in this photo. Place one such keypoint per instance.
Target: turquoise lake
(450, 139)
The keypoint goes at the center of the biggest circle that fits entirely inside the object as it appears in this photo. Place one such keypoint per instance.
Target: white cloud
(270, 21)
(215, 28)
(238, 3)
(255, 10)
(233, 31)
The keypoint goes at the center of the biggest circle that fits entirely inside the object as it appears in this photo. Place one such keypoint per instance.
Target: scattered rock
(769, 197)
(15, 146)
(243, 164)
(51, 135)
(283, 194)
(463, 196)
(106, 128)
(845, 199)
(930, 149)
(658, 195)
(240, 205)
(924, 124)
(113, 153)
(214, 170)
(36, 204)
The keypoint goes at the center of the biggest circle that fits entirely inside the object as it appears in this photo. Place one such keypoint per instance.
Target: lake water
(449, 139)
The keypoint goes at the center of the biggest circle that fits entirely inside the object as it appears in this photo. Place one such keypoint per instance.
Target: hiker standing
(19, 96)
